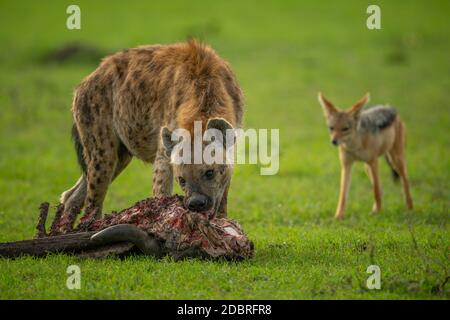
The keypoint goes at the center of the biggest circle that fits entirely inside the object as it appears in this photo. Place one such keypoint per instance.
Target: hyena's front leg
(162, 174)
(222, 210)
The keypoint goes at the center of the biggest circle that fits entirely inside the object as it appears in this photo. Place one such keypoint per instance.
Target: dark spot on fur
(85, 111)
(103, 91)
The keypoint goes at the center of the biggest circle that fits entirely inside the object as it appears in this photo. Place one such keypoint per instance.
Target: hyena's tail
(77, 194)
(78, 148)
(395, 175)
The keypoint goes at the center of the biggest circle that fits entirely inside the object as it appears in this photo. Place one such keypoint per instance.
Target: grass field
(283, 53)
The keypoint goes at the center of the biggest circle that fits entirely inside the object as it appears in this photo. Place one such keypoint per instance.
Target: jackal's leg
(346, 170)
(376, 184)
(398, 162)
(397, 157)
(162, 175)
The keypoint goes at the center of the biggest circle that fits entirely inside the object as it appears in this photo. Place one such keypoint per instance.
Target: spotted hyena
(130, 105)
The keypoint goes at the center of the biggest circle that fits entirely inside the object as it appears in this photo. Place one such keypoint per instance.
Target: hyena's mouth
(209, 213)
(199, 204)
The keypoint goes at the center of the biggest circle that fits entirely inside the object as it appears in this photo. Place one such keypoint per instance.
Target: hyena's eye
(331, 128)
(209, 174)
(345, 129)
(182, 181)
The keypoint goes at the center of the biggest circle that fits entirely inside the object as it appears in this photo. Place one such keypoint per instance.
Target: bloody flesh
(169, 221)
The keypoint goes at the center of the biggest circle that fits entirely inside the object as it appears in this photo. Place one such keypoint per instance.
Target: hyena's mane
(211, 89)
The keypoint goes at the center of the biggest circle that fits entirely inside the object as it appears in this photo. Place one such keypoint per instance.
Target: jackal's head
(204, 183)
(342, 123)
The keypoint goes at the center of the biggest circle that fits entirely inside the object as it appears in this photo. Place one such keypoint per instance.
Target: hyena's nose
(334, 142)
(198, 202)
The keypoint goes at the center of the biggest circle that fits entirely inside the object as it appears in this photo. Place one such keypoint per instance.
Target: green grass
(283, 52)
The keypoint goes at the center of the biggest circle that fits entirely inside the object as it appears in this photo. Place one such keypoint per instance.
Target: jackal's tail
(395, 175)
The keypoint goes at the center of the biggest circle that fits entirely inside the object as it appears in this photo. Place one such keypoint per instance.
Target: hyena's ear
(227, 130)
(357, 107)
(166, 138)
(327, 106)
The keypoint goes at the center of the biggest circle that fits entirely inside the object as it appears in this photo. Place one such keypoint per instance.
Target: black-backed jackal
(365, 135)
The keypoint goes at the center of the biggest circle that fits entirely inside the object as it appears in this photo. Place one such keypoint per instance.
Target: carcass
(155, 226)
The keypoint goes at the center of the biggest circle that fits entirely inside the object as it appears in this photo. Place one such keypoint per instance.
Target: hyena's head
(205, 183)
(342, 123)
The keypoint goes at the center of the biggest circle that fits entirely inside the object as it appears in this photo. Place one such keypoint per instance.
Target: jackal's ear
(327, 106)
(225, 128)
(166, 138)
(357, 107)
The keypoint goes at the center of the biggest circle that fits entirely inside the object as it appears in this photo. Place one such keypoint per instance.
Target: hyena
(130, 105)
(365, 135)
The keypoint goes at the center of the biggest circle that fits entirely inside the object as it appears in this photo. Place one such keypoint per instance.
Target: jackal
(365, 135)
(130, 105)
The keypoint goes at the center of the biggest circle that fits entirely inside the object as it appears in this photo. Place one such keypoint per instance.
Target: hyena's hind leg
(103, 167)
(76, 196)
(373, 174)
(102, 157)
(396, 158)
